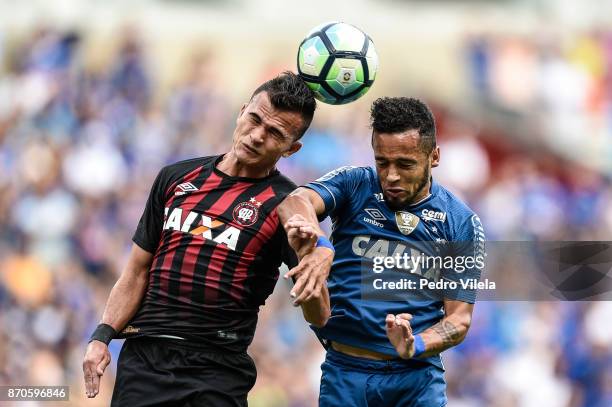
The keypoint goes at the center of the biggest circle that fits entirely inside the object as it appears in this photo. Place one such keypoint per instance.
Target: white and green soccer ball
(338, 62)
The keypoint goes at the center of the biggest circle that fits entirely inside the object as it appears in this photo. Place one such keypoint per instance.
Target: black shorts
(169, 372)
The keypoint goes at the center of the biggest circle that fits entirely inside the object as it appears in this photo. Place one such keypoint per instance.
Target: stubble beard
(394, 205)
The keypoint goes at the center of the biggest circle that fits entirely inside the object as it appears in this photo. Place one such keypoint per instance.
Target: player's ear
(435, 157)
(295, 147)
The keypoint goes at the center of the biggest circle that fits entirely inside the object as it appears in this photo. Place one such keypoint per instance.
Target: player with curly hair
(385, 350)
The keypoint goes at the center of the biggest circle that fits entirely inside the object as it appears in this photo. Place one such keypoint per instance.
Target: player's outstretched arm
(299, 215)
(122, 304)
(449, 332)
(300, 210)
(315, 303)
(314, 298)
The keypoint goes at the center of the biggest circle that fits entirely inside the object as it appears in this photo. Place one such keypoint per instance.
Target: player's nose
(392, 175)
(257, 135)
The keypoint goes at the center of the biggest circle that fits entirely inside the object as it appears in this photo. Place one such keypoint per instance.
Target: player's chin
(394, 202)
(250, 159)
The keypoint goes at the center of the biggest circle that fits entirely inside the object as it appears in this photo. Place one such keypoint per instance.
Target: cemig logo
(429, 214)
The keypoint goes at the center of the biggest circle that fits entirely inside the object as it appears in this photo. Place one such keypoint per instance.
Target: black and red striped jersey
(217, 244)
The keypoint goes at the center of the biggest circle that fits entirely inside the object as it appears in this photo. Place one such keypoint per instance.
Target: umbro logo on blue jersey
(375, 214)
(373, 222)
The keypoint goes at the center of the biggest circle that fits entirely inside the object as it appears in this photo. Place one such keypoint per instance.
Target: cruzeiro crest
(406, 222)
(246, 213)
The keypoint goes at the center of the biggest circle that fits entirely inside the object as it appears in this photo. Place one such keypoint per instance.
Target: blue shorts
(349, 381)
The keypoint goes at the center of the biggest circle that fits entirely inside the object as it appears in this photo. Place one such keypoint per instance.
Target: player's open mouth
(393, 192)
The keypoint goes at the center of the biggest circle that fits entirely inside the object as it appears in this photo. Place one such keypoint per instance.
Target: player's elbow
(297, 197)
(302, 194)
(296, 202)
(463, 326)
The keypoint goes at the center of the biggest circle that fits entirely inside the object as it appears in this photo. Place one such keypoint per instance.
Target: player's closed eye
(277, 135)
(254, 118)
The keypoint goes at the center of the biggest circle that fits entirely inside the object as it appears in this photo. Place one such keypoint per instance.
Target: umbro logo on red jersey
(184, 188)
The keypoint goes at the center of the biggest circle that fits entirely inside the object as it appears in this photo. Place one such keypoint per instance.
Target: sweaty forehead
(289, 122)
(398, 145)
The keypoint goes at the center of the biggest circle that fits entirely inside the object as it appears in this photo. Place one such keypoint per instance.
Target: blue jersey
(362, 223)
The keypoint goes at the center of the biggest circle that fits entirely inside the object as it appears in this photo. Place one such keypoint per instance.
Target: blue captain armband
(419, 346)
(322, 241)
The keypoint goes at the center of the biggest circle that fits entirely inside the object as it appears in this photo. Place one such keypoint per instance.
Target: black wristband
(103, 333)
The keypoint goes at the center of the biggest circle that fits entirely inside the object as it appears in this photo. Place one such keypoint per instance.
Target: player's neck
(417, 200)
(230, 166)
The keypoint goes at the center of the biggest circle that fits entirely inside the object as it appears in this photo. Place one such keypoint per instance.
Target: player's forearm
(449, 332)
(317, 310)
(298, 203)
(125, 297)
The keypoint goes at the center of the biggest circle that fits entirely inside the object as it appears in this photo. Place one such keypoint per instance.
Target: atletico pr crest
(246, 213)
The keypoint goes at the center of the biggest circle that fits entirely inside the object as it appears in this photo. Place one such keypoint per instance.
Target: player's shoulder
(351, 181)
(172, 174)
(456, 212)
(282, 185)
(186, 166)
(350, 172)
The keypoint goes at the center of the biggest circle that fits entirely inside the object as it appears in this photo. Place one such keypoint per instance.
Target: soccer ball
(338, 62)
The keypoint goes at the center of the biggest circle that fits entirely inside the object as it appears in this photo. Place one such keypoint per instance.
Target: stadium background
(96, 96)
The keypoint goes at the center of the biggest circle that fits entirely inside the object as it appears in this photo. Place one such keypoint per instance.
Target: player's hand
(301, 234)
(311, 275)
(97, 357)
(400, 335)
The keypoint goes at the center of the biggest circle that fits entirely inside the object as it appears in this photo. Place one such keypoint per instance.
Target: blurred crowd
(81, 145)
(561, 84)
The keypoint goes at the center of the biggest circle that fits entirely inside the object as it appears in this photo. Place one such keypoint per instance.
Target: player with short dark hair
(396, 115)
(385, 351)
(292, 96)
(205, 257)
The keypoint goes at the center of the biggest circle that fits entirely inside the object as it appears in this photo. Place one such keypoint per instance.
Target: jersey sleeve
(149, 229)
(468, 253)
(336, 187)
